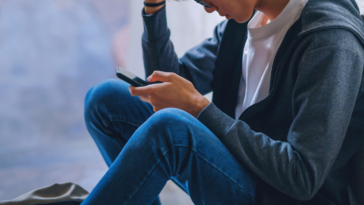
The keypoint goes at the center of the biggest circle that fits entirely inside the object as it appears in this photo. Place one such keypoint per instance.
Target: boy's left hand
(174, 92)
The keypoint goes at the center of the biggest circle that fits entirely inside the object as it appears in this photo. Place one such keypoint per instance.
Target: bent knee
(169, 119)
(169, 126)
(102, 93)
(172, 115)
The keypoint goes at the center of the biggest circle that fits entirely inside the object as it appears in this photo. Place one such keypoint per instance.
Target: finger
(156, 108)
(161, 76)
(159, 108)
(137, 91)
(145, 98)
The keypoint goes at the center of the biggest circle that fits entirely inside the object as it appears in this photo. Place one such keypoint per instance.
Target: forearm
(158, 51)
(196, 65)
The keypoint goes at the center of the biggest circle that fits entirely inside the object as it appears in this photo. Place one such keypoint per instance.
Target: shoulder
(340, 38)
(330, 47)
(332, 38)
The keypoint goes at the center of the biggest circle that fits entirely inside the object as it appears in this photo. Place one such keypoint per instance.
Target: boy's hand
(174, 92)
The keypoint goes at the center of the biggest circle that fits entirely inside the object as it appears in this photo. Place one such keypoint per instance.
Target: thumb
(160, 76)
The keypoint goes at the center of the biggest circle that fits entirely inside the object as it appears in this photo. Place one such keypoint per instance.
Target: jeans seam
(253, 198)
(179, 145)
(149, 174)
(125, 120)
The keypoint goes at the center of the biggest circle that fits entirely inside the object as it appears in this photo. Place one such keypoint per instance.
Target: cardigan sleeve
(196, 65)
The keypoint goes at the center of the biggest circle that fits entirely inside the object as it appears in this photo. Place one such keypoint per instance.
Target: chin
(242, 19)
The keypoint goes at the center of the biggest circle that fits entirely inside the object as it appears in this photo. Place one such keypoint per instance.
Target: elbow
(308, 181)
(305, 193)
(305, 196)
(302, 195)
(306, 189)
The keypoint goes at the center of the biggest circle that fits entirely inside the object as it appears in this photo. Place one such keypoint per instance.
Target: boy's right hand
(153, 10)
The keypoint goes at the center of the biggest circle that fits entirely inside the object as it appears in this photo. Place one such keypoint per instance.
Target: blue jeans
(144, 150)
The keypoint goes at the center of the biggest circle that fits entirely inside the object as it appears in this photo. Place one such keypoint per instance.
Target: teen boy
(286, 117)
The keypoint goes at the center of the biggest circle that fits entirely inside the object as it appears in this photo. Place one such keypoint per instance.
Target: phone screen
(126, 73)
(130, 78)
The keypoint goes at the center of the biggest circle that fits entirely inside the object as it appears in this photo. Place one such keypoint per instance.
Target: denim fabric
(145, 149)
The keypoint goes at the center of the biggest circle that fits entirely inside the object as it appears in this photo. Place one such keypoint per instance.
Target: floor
(51, 53)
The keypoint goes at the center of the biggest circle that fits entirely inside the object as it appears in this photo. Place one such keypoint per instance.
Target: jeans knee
(170, 117)
(101, 94)
(169, 123)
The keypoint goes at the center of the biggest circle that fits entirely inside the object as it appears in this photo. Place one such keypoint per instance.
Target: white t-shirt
(259, 52)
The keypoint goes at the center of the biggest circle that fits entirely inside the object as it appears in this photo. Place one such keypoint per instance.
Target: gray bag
(57, 194)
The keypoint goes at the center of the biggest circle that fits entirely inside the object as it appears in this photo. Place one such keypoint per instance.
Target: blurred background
(51, 53)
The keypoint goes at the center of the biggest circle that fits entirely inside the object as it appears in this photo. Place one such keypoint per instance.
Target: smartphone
(131, 78)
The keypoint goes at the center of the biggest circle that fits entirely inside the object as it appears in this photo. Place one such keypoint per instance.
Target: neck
(271, 8)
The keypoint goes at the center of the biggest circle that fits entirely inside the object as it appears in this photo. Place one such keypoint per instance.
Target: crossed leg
(144, 150)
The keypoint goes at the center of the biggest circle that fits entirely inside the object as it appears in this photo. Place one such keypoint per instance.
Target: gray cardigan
(299, 140)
